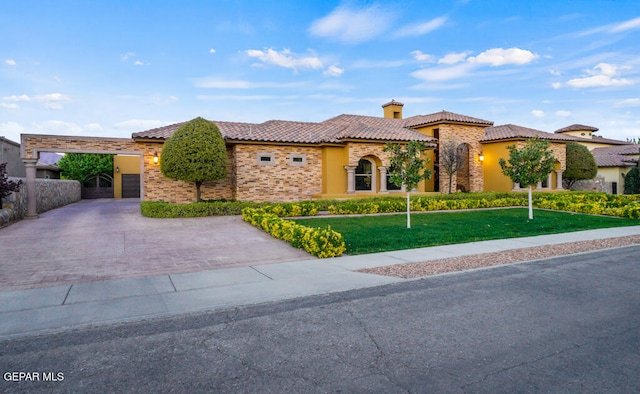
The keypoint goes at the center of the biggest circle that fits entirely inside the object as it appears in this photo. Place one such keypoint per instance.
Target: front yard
(380, 233)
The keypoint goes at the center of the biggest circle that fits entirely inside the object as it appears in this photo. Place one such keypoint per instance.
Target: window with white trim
(266, 159)
(296, 159)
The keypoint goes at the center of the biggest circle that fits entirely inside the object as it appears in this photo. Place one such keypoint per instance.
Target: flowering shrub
(591, 203)
(292, 209)
(321, 242)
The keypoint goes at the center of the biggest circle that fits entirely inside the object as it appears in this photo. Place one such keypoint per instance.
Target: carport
(33, 144)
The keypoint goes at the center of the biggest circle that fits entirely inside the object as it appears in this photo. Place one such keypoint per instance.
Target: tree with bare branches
(452, 158)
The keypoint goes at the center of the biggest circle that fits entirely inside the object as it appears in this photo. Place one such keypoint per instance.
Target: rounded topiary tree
(632, 181)
(196, 152)
(580, 164)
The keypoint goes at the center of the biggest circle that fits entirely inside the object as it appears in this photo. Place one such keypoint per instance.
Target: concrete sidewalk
(59, 308)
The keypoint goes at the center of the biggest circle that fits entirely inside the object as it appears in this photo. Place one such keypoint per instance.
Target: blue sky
(111, 68)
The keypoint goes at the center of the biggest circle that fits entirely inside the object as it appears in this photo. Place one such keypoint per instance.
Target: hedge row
(160, 209)
(592, 203)
(421, 204)
(584, 202)
(321, 242)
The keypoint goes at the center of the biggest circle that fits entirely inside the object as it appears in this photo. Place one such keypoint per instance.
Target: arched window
(364, 175)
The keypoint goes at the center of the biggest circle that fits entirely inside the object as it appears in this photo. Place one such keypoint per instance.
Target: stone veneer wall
(50, 194)
(471, 135)
(157, 187)
(282, 181)
(359, 150)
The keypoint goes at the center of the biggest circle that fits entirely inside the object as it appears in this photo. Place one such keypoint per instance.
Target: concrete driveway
(104, 239)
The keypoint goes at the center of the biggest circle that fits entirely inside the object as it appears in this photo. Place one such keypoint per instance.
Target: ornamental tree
(632, 181)
(407, 167)
(6, 186)
(580, 164)
(529, 165)
(196, 153)
(452, 158)
(81, 166)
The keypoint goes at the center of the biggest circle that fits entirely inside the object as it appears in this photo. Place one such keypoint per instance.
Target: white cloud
(624, 26)
(14, 98)
(602, 75)
(53, 100)
(212, 50)
(50, 101)
(422, 57)
(563, 113)
(453, 58)
(501, 56)
(630, 102)
(421, 28)
(286, 59)
(124, 57)
(10, 62)
(139, 124)
(57, 127)
(442, 73)
(219, 83)
(138, 63)
(93, 127)
(351, 25)
(537, 113)
(9, 105)
(556, 85)
(333, 71)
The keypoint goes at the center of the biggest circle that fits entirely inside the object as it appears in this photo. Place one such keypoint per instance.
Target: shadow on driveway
(106, 239)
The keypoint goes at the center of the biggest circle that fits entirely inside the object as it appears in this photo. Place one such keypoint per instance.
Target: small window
(266, 159)
(297, 159)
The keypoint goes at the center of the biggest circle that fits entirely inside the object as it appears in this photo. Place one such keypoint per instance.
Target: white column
(516, 186)
(32, 207)
(549, 183)
(351, 178)
(539, 185)
(559, 179)
(383, 179)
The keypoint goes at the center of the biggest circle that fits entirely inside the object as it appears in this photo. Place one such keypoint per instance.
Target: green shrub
(320, 242)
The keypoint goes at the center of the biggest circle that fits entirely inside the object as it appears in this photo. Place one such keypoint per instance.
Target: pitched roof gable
(576, 127)
(334, 130)
(511, 131)
(444, 117)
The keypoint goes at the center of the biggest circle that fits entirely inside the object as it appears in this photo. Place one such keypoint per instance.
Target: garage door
(130, 185)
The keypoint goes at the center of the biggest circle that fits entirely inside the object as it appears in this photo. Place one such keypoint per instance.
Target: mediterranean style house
(341, 157)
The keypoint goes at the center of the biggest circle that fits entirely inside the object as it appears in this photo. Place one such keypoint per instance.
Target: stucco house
(341, 157)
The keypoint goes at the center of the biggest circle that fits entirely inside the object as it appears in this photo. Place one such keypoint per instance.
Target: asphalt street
(569, 324)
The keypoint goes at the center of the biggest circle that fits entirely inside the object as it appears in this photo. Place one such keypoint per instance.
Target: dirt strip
(441, 266)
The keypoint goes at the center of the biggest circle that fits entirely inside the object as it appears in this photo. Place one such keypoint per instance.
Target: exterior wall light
(117, 169)
(481, 157)
(155, 157)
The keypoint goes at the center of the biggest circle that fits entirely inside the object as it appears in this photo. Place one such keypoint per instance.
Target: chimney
(393, 109)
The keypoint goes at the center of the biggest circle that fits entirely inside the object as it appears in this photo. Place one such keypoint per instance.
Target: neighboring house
(10, 153)
(341, 157)
(614, 163)
(613, 157)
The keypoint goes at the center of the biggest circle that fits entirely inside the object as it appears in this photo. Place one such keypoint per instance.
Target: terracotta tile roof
(576, 127)
(443, 116)
(617, 156)
(374, 128)
(392, 102)
(613, 160)
(330, 131)
(510, 131)
(601, 140)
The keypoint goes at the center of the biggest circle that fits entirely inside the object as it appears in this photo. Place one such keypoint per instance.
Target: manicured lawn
(370, 234)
